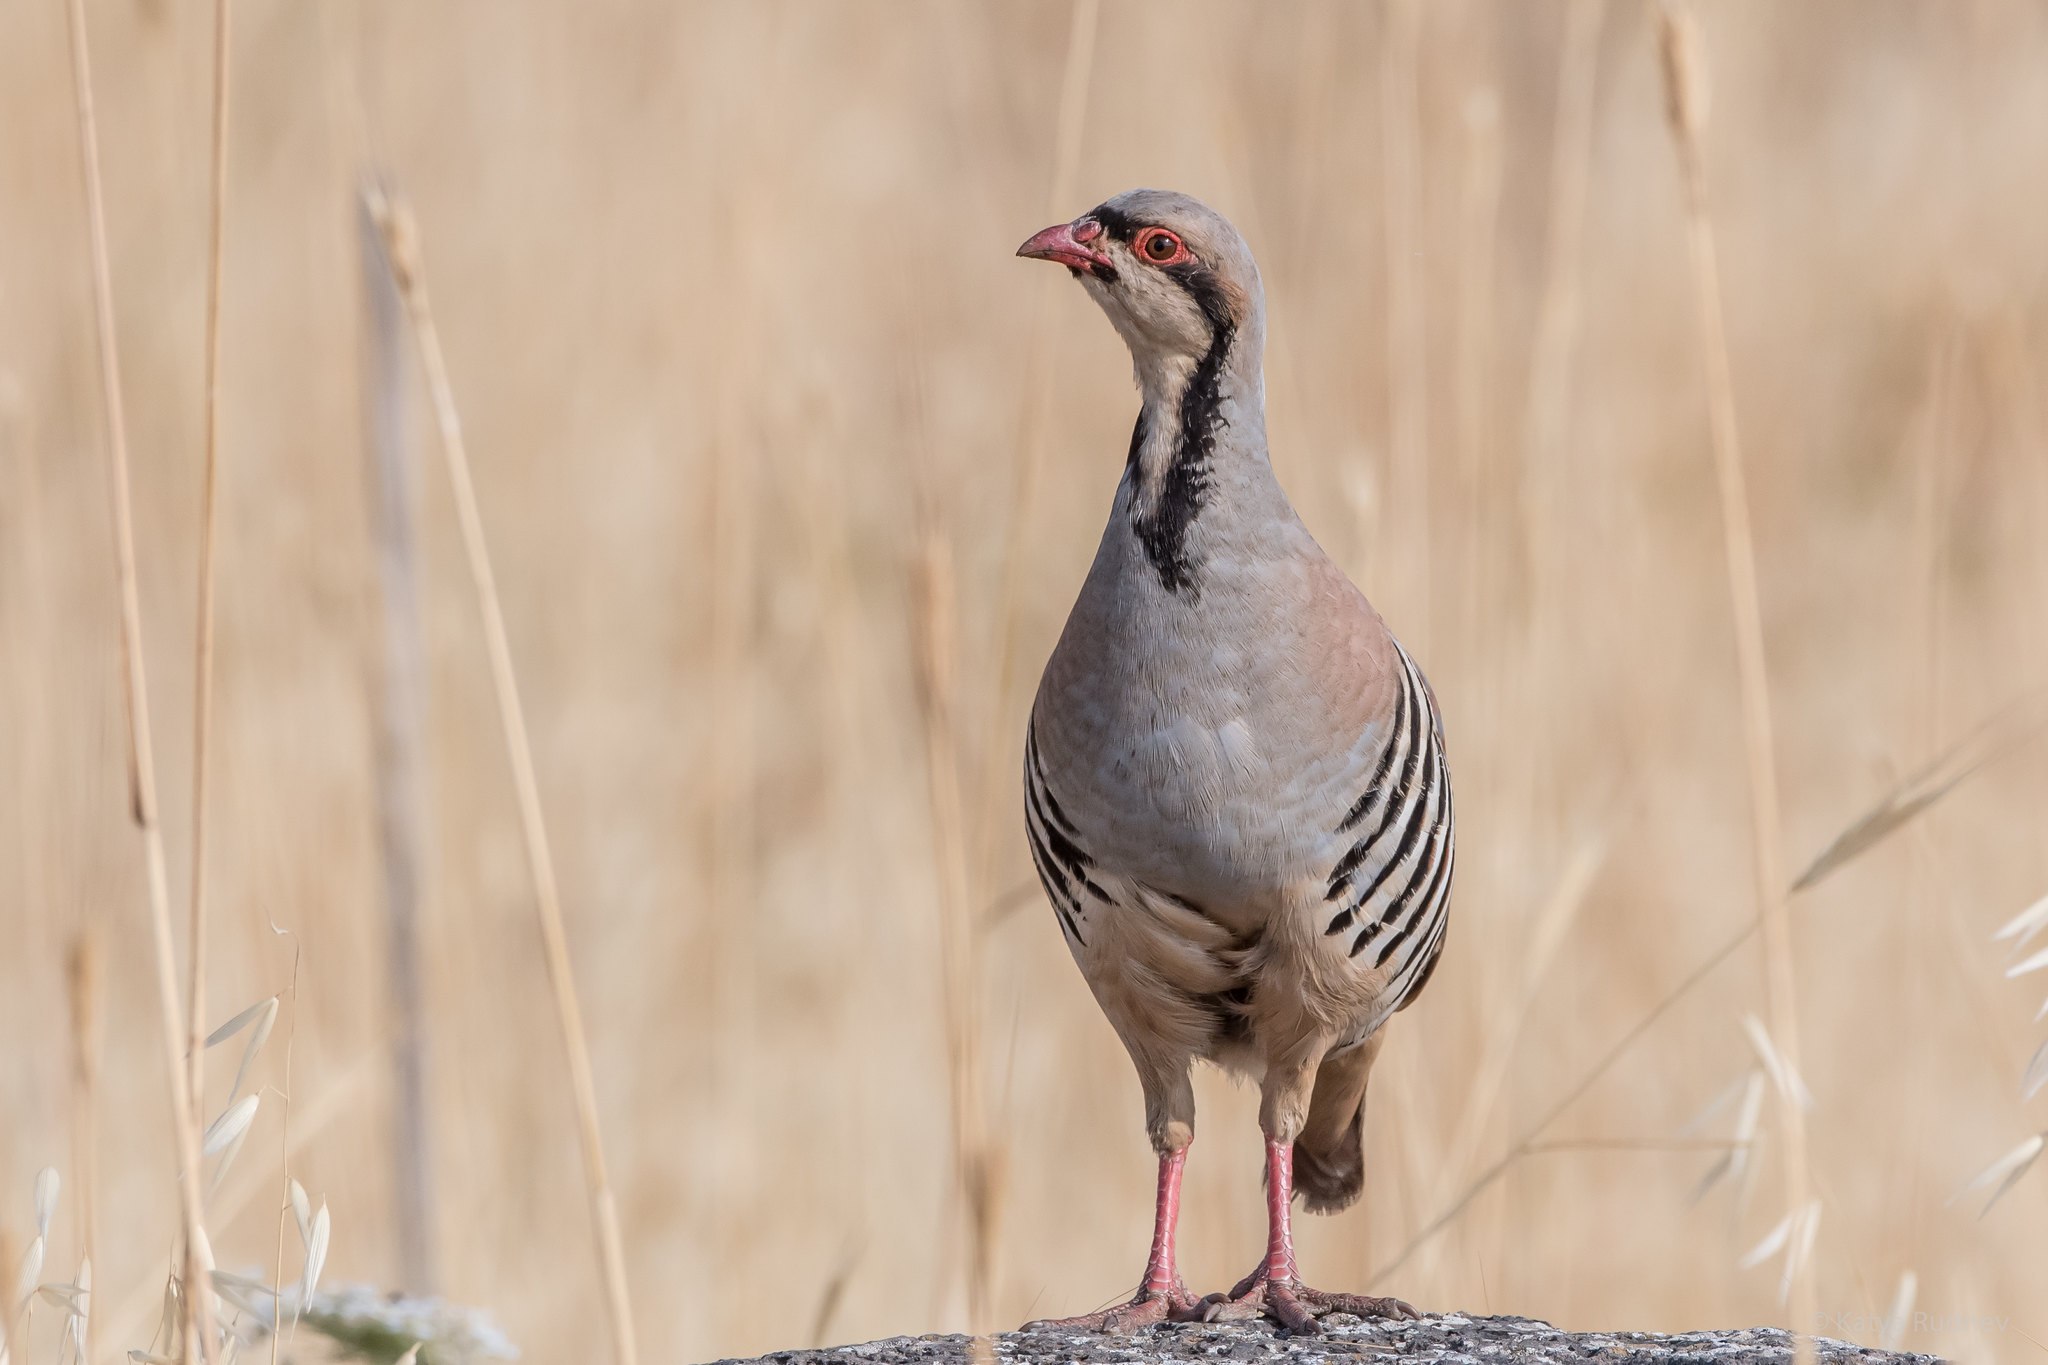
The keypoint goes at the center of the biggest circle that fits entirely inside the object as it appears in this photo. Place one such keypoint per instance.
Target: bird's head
(1173, 275)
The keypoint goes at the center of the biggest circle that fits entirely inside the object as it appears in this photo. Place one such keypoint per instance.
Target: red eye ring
(1157, 246)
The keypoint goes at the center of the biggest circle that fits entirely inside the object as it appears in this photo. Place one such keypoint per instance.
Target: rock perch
(1451, 1339)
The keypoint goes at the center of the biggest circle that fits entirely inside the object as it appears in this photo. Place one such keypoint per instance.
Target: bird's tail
(1329, 1155)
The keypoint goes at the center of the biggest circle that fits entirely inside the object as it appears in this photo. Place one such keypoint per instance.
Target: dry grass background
(728, 305)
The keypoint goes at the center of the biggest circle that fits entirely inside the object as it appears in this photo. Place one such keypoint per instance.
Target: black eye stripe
(1119, 225)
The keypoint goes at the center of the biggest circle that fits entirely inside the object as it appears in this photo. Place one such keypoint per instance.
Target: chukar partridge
(1236, 793)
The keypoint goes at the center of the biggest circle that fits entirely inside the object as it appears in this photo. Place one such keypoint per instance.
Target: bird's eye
(1160, 247)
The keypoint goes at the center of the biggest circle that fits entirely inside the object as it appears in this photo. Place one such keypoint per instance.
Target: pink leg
(1161, 1297)
(1275, 1289)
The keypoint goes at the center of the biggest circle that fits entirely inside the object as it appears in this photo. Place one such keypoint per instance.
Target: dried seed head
(230, 1125)
(1686, 89)
(31, 1272)
(302, 1212)
(316, 1255)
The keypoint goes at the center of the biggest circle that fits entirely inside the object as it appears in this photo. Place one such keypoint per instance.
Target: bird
(1236, 788)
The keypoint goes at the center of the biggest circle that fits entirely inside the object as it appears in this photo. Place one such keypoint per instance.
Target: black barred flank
(1416, 735)
(1376, 788)
(1043, 788)
(1424, 866)
(1402, 909)
(1063, 903)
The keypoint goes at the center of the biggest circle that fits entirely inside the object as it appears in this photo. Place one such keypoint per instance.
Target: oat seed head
(316, 1253)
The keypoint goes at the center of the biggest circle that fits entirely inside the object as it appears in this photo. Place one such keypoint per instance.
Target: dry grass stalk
(202, 682)
(198, 1317)
(401, 246)
(1489, 1076)
(1996, 738)
(292, 1193)
(975, 1161)
(82, 980)
(1527, 1143)
(1407, 310)
(6, 1305)
(1075, 74)
(401, 763)
(1687, 90)
(331, 1105)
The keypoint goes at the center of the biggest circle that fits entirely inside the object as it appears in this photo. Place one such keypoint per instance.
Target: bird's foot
(1151, 1307)
(1294, 1305)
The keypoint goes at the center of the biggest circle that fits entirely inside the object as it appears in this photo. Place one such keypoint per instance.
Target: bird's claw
(1294, 1305)
(1149, 1309)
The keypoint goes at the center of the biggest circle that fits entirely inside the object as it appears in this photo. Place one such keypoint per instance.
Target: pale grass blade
(1746, 1122)
(253, 1297)
(2032, 964)
(2003, 1172)
(266, 1019)
(1800, 1249)
(229, 1126)
(1773, 1242)
(411, 1356)
(68, 1297)
(2024, 925)
(2037, 1074)
(227, 1160)
(1783, 1075)
(31, 1271)
(241, 1021)
(1735, 1160)
(47, 1186)
(1893, 1331)
(75, 1328)
(1996, 737)
(1697, 1124)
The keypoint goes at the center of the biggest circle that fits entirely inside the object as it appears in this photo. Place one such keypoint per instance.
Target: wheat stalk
(401, 245)
(198, 1315)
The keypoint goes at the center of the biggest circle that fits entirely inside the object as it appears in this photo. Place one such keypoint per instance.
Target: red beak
(1067, 245)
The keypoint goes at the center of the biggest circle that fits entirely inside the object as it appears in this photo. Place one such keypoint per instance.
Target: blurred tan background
(727, 292)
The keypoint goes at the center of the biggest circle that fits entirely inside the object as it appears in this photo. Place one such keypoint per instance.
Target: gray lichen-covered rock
(1451, 1339)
